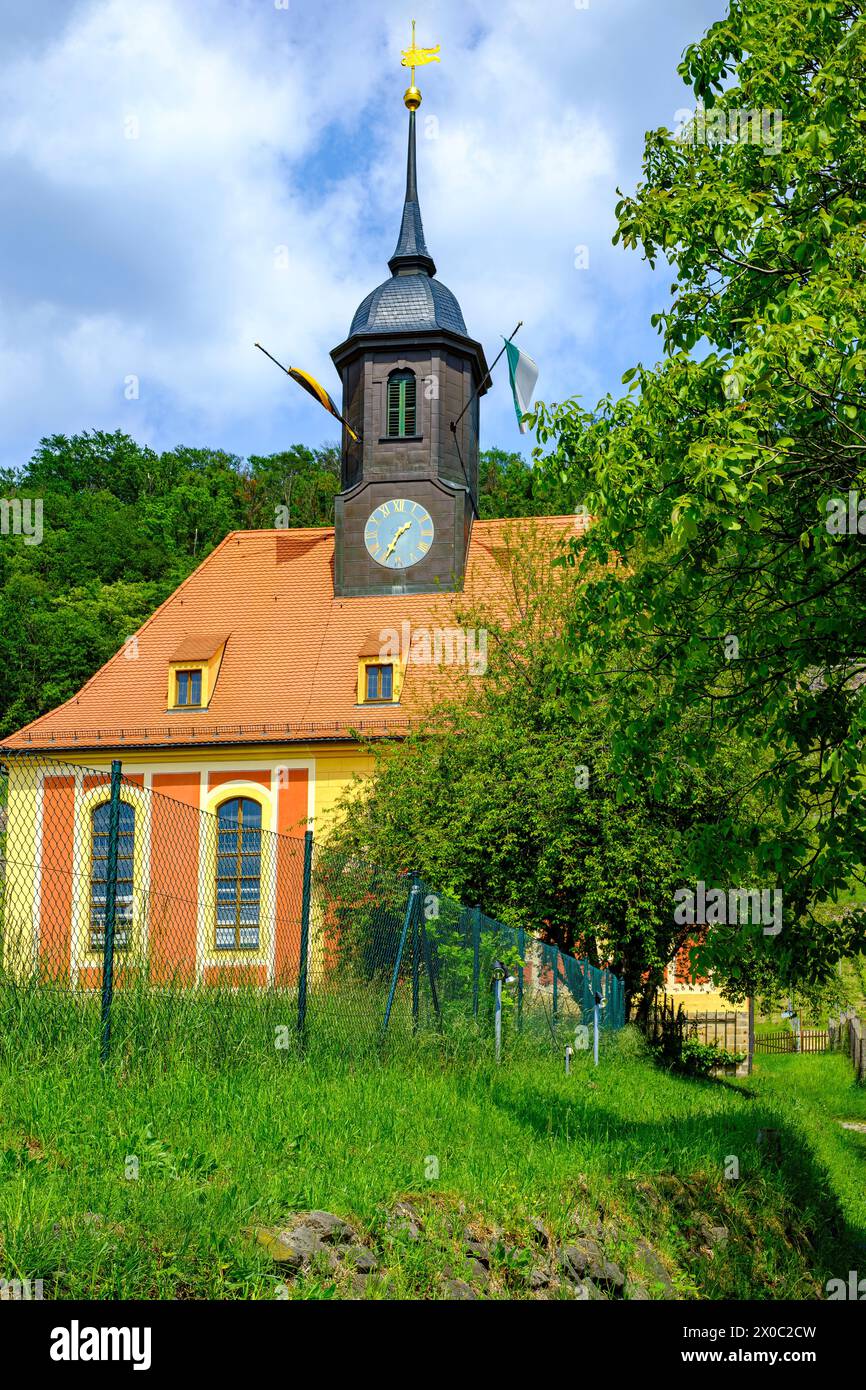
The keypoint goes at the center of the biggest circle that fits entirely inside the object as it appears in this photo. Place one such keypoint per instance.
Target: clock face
(399, 533)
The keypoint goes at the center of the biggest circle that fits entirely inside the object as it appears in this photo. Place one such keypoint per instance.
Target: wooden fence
(728, 1028)
(811, 1040)
(851, 1035)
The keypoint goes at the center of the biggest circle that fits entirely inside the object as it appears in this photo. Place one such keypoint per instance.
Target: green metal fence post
(521, 950)
(476, 958)
(411, 908)
(555, 985)
(303, 964)
(110, 911)
(428, 957)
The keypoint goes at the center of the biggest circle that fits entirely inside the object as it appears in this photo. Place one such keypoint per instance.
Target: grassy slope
(252, 1143)
(813, 1094)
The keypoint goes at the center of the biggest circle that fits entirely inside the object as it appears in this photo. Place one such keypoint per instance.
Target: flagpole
(455, 423)
(273, 359)
(341, 418)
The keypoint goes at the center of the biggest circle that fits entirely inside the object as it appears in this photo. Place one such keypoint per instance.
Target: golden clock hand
(406, 527)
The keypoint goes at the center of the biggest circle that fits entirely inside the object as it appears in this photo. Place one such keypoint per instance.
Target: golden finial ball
(412, 98)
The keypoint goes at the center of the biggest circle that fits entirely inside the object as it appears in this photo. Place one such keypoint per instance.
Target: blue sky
(179, 178)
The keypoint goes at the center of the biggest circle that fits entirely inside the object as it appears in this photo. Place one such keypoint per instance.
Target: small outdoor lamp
(501, 975)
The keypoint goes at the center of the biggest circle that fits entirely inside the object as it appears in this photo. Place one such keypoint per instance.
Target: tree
(122, 527)
(716, 597)
(302, 482)
(502, 797)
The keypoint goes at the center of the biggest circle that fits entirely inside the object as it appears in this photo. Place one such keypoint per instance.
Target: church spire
(411, 254)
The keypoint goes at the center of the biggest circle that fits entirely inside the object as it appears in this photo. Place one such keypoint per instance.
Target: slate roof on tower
(412, 299)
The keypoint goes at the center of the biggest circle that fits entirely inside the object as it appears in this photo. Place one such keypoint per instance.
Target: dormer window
(193, 669)
(380, 684)
(188, 689)
(401, 405)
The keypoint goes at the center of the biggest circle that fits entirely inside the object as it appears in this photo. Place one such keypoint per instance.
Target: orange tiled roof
(289, 671)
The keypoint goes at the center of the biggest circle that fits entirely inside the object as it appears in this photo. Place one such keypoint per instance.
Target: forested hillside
(123, 525)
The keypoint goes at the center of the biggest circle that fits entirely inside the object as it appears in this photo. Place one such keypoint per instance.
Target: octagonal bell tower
(412, 379)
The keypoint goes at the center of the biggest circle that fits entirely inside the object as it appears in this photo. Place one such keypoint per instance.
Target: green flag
(524, 374)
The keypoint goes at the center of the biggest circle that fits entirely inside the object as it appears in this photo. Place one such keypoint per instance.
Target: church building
(248, 693)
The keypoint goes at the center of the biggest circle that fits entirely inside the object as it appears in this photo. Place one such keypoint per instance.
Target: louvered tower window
(401, 405)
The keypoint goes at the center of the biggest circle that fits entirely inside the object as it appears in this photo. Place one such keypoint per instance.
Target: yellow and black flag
(315, 388)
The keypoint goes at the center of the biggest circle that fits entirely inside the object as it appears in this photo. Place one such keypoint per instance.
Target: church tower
(412, 378)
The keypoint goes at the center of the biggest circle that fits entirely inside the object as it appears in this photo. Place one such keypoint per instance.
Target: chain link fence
(137, 924)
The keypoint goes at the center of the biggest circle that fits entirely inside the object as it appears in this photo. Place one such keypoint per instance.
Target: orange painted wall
(291, 812)
(55, 877)
(174, 847)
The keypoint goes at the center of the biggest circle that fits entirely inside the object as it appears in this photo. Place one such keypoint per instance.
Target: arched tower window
(401, 405)
(99, 822)
(239, 867)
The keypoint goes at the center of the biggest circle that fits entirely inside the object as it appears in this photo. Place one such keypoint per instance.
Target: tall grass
(228, 1143)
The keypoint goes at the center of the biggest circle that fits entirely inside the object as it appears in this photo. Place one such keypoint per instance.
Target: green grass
(221, 1149)
(813, 1093)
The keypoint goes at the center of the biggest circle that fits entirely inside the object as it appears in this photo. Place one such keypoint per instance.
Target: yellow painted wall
(698, 1001)
(333, 768)
(19, 916)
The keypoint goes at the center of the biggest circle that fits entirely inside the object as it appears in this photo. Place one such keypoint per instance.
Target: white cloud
(257, 129)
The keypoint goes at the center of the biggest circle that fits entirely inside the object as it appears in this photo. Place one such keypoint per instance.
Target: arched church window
(402, 390)
(239, 866)
(99, 846)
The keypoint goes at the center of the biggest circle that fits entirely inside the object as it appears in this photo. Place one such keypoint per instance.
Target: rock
(478, 1272)
(584, 1259)
(539, 1278)
(588, 1292)
(458, 1289)
(279, 1249)
(479, 1251)
(636, 1292)
(714, 1235)
(405, 1220)
(328, 1227)
(361, 1260)
(539, 1233)
(294, 1246)
(651, 1272)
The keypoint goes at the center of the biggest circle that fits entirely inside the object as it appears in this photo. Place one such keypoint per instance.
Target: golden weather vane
(414, 57)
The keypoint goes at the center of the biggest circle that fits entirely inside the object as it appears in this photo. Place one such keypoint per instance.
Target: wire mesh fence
(136, 923)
